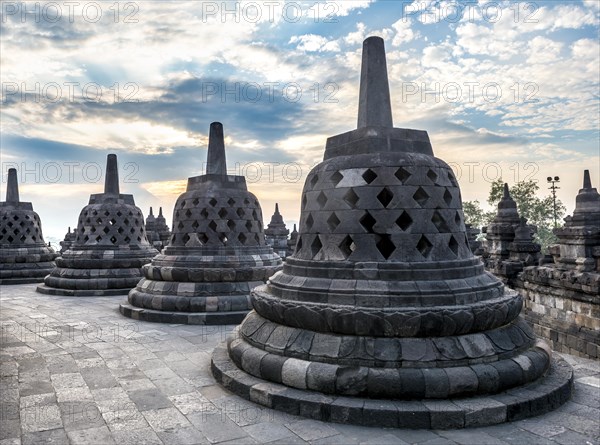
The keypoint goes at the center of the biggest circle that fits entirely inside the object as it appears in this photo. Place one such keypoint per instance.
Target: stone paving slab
(76, 371)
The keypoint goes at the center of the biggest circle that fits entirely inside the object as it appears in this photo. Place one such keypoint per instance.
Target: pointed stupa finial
(111, 180)
(216, 163)
(150, 212)
(587, 181)
(506, 192)
(12, 186)
(69, 231)
(276, 208)
(374, 107)
(160, 211)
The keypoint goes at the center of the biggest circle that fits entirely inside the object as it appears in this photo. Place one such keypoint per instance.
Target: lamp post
(554, 188)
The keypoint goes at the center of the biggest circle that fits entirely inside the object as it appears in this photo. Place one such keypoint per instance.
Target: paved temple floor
(75, 371)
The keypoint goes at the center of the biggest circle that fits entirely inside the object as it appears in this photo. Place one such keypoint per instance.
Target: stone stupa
(109, 249)
(217, 252)
(383, 316)
(276, 233)
(24, 255)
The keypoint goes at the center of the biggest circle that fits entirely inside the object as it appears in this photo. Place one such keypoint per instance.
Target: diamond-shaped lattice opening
(119, 213)
(94, 212)
(402, 175)
(242, 238)
(453, 245)
(231, 202)
(22, 223)
(316, 246)
(212, 226)
(195, 225)
(336, 178)
(185, 238)
(16, 231)
(179, 226)
(99, 221)
(385, 197)
(351, 198)
(367, 221)
(106, 230)
(404, 221)
(386, 246)
(212, 202)
(127, 239)
(452, 179)
(299, 244)
(182, 205)
(204, 213)
(113, 239)
(188, 213)
(120, 230)
(16, 218)
(333, 221)
(439, 222)
(304, 200)
(177, 214)
(98, 238)
(223, 238)
(196, 201)
(126, 221)
(4, 231)
(347, 246)
(432, 175)
(421, 197)
(240, 212)
(106, 213)
(223, 212)
(321, 200)
(113, 221)
(132, 230)
(231, 224)
(10, 224)
(309, 222)
(369, 176)
(424, 246)
(249, 225)
(86, 239)
(257, 238)
(457, 219)
(203, 238)
(246, 201)
(254, 214)
(314, 180)
(447, 197)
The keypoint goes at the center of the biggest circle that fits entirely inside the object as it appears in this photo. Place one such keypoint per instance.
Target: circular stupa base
(199, 318)
(30, 280)
(43, 289)
(541, 396)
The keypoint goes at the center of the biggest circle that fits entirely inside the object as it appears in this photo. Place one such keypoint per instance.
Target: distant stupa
(24, 255)
(109, 249)
(216, 255)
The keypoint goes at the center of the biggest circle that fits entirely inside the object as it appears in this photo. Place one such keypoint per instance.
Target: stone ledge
(199, 318)
(533, 399)
(43, 289)
(33, 280)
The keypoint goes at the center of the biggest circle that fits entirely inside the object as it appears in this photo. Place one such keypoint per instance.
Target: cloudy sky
(504, 89)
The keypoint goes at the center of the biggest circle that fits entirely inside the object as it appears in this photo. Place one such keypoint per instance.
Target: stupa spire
(12, 186)
(587, 182)
(151, 214)
(216, 163)
(374, 107)
(160, 211)
(111, 180)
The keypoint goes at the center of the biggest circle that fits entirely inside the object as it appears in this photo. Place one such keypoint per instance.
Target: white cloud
(314, 43)
(404, 32)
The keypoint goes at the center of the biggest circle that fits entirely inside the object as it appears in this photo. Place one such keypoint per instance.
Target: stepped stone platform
(383, 315)
(109, 249)
(24, 255)
(216, 255)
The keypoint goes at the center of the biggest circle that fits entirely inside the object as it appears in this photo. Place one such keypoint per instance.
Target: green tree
(538, 211)
(475, 215)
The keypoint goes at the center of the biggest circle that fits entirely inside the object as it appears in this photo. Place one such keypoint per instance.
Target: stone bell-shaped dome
(217, 252)
(383, 300)
(109, 249)
(24, 255)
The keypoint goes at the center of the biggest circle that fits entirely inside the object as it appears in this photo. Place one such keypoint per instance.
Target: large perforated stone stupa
(109, 249)
(383, 316)
(217, 252)
(24, 255)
